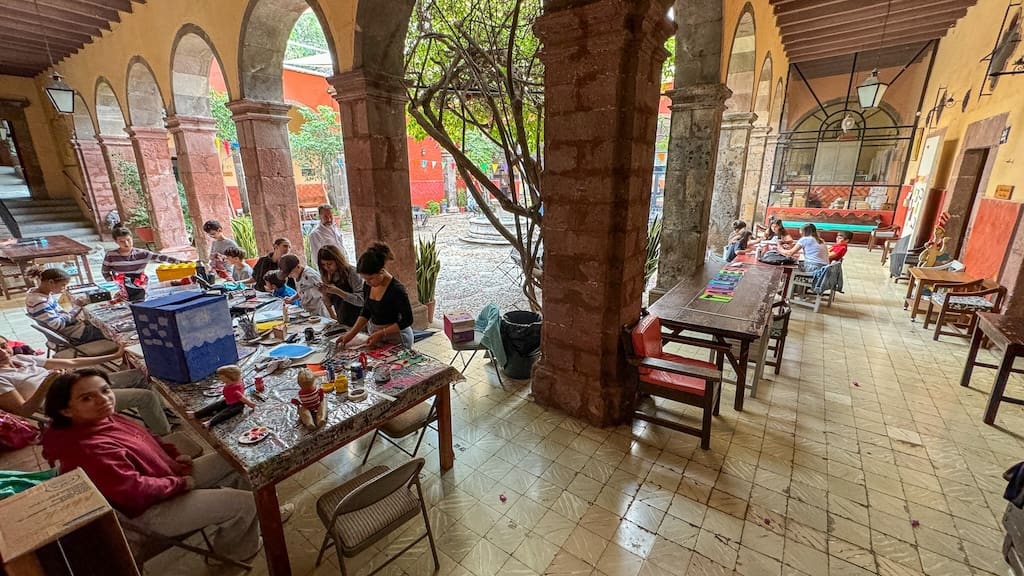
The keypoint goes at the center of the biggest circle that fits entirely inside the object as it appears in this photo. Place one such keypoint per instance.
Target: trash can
(520, 336)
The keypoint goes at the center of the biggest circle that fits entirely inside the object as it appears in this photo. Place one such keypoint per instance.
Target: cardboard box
(459, 326)
(61, 524)
(185, 337)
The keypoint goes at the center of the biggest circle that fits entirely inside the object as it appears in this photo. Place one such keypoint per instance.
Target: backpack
(775, 258)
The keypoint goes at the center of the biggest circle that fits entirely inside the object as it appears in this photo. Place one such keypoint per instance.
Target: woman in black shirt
(342, 287)
(386, 306)
(269, 263)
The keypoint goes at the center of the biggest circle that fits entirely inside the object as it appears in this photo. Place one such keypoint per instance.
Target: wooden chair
(959, 303)
(882, 233)
(781, 312)
(685, 380)
(416, 419)
(365, 509)
(823, 288)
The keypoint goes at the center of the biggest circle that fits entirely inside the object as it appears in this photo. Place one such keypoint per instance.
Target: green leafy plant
(245, 235)
(428, 264)
(129, 183)
(653, 249)
(433, 207)
(461, 198)
(189, 227)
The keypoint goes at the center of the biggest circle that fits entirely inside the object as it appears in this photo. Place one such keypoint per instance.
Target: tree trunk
(243, 194)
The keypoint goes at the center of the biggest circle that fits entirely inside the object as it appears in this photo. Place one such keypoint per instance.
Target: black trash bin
(520, 336)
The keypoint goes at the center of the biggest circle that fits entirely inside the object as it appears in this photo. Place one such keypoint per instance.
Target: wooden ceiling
(67, 25)
(822, 29)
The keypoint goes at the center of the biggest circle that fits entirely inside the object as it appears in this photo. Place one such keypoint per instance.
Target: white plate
(254, 435)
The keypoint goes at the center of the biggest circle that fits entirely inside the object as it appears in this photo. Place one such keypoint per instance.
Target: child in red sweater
(142, 477)
(838, 250)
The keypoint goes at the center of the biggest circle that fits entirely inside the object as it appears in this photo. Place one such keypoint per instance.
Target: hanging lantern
(61, 95)
(870, 91)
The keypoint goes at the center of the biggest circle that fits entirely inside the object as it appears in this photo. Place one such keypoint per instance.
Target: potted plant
(245, 237)
(428, 264)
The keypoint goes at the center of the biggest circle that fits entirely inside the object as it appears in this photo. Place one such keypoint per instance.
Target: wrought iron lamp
(871, 91)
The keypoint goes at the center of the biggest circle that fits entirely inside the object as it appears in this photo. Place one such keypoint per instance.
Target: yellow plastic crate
(165, 272)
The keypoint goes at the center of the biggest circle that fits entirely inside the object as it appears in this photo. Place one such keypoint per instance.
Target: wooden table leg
(921, 287)
(761, 357)
(446, 453)
(996, 396)
(274, 546)
(88, 269)
(972, 355)
(910, 290)
(741, 375)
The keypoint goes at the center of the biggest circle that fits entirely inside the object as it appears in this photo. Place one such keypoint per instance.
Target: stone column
(117, 148)
(155, 170)
(689, 179)
(269, 176)
(729, 172)
(372, 108)
(754, 173)
(767, 171)
(201, 174)
(98, 187)
(602, 72)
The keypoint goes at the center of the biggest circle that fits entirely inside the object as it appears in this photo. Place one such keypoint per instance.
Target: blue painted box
(185, 337)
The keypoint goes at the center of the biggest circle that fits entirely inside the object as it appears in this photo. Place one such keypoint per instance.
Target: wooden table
(744, 319)
(1007, 334)
(750, 259)
(925, 277)
(23, 253)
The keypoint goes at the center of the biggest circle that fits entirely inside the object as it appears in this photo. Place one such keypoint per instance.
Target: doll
(312, 408)
(234, 401)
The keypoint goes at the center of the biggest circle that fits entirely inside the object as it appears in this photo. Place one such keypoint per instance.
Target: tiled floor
(864, 456)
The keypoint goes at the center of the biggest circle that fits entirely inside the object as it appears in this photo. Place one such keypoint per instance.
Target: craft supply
(356, 369)
(254, 435)
(341, 384)
(258, 384)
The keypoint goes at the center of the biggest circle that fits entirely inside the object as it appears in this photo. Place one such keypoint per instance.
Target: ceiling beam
(851, 10)
(865, 38)
(14, 70)
(789, 6)
(9, 39)
(30, 19)
(36, 30)
(104, 11)
(20, 11)
(896, 23)
(122, 5)
(816, 54)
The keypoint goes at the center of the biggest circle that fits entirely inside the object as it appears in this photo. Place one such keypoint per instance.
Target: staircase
(49, 217)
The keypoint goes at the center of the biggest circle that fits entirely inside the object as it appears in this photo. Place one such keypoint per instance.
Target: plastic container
(165, 272)
(520, 336)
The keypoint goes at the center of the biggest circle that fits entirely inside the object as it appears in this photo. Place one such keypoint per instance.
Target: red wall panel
(989, 237)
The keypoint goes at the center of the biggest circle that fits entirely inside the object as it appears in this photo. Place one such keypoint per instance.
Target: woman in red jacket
(141, 476)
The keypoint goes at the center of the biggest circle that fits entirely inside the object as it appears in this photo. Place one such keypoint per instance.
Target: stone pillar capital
(699, 97)
(85, 143)
(247, 109)
(364, 83)
(181, 123)
(146, 132)
(566, 26)
(738, 121)
(113, 140)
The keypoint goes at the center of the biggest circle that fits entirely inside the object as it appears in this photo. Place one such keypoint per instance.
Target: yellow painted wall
(767, 38)
(149, 33)
(39, 115)
(958, 67)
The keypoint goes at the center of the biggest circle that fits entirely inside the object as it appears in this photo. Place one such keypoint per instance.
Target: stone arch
(763, 93)
(110, 118)
(742, 63)
(266, 26)
(380, 34)
(778, 104)
(192, 54)
(85, 129)
(145, 102)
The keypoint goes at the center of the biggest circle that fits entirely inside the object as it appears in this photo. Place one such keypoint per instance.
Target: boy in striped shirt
(127, 259)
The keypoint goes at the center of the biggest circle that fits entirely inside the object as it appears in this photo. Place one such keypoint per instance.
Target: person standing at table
(307, 285)
(219, 245)
(41, 304)
(342, 287)
(386, 309)
(269, 263)
(127, 259)
(326, 233)
(813, 247)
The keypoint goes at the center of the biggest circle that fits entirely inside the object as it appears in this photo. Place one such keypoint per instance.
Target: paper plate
(290, 351)
(254, 435)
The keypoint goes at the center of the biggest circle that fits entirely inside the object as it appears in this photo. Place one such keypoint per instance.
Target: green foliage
(225, 125)
(245, 235)
(129, 183)
(668, 69)
(307, 37)
(318, 142)
(433, 207)
(428, 265)
(189, 226)
(653, 249)
(461, 198)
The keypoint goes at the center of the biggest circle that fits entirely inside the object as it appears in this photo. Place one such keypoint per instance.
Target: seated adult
(127, 259)
(737, 240)
(386, 307)
(813, 247)
(778, 233)
(24, 381)
(269, 263)
(142, 477)
(838, 250)
(42, 305)
(342, 287)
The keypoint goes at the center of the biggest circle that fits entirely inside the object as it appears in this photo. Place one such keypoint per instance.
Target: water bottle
(44, 242)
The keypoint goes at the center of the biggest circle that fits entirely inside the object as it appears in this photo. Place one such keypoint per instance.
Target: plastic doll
(234, 401)
(312, 408)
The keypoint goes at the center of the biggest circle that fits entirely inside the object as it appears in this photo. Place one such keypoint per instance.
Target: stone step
(65, 228)
(30, 211)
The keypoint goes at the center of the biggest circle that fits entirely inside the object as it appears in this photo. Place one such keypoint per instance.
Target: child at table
(738, 240)
(838, 250)
(42, 306)
(238, 269)
(276, 283)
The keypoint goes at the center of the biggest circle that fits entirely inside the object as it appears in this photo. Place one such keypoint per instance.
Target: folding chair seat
(147, 544)
(416, 419)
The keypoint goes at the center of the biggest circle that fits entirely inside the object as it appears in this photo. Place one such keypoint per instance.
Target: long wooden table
(23, 253)
(744, 319)
(1007, 334)
(290, 447)
(924, 278)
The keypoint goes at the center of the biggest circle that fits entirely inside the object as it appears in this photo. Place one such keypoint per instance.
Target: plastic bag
(16, 433)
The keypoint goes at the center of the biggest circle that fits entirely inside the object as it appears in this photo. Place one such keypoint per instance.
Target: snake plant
(245, 237)
(653, 249)
(428, 264)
